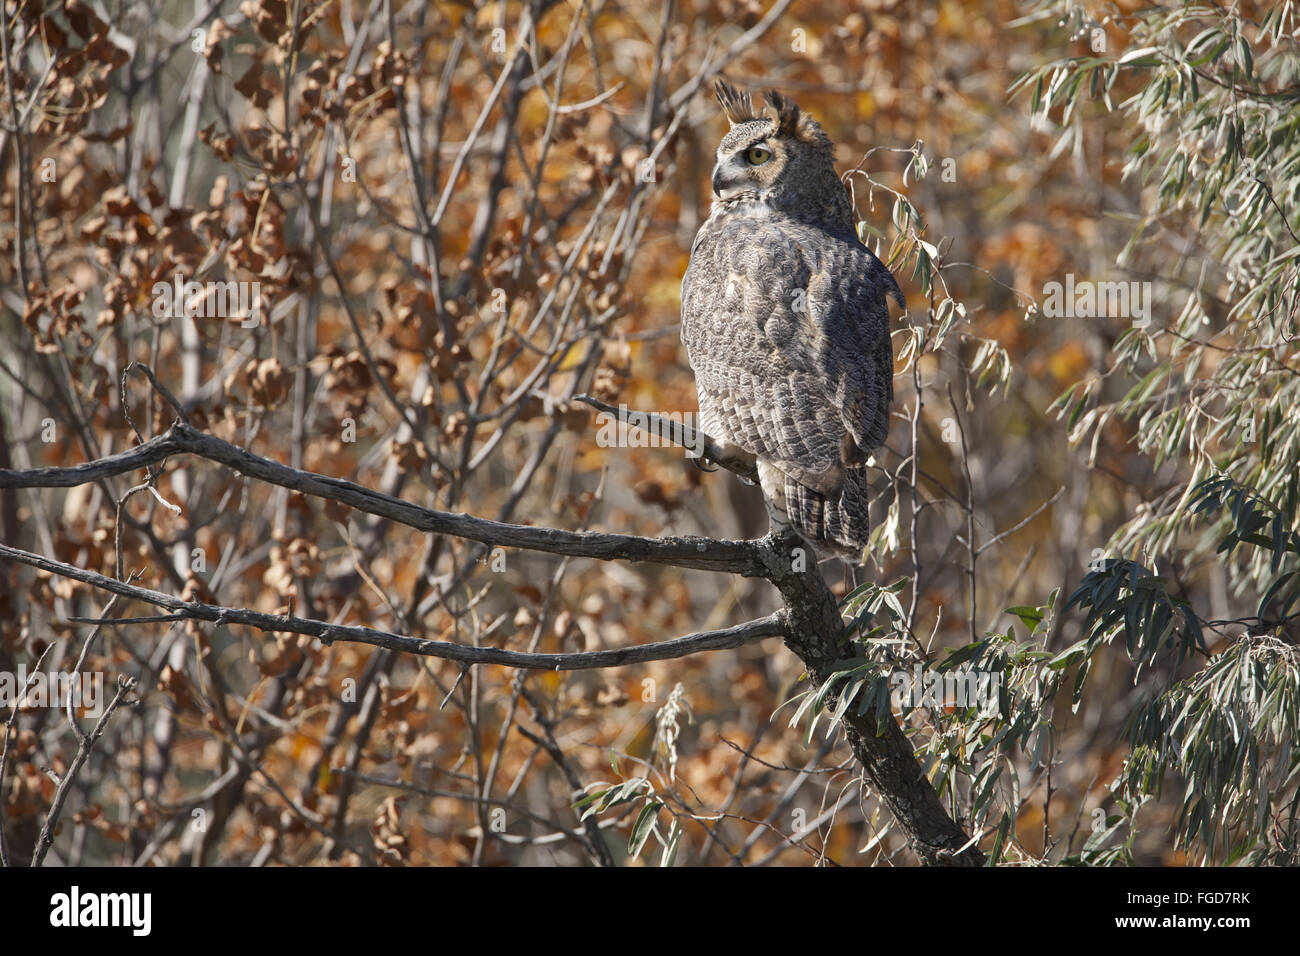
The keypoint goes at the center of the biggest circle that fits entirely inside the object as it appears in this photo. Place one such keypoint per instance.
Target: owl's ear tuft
(787, 112)
(793, 121)
(736, 104)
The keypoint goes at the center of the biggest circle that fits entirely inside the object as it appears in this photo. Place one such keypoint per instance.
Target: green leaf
(644, 826)
(1031, 616)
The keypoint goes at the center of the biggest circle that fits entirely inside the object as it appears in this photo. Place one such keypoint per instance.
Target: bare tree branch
(86, 744)
(772, 625)
(707, 554)
(731, 457)
(811, 623)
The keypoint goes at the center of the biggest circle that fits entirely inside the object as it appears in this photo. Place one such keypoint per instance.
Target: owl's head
(781, 159)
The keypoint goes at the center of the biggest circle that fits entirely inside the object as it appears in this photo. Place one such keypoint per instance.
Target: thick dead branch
(707, 554)
(818, 637)
(811, 624)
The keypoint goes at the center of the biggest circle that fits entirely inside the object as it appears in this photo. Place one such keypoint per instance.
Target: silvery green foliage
(1212, 101)
(640, 790)
(1215, 148)
(1222, 737)
(1209, 104)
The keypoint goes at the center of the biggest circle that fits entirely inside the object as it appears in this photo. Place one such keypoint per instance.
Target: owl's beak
(718, 181)
(726, 185)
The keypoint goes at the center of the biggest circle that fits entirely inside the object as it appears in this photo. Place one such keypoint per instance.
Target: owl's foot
(730, 456)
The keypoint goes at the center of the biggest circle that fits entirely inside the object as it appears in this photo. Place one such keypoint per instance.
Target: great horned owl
(786, 322)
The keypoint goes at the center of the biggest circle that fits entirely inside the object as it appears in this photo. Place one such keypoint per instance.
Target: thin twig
(731, 457)
(46, 839)
(773, 625)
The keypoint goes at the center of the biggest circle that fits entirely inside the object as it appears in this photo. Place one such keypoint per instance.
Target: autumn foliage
(446, 221)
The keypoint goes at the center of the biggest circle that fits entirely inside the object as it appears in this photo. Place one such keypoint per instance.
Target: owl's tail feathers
(841, 521)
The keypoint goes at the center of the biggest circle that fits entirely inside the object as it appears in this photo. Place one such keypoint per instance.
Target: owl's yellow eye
(757, 155)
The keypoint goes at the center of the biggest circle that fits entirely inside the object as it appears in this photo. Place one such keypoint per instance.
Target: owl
(785, 319)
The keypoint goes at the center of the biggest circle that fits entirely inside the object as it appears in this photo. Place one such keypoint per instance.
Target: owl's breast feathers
(787, 329)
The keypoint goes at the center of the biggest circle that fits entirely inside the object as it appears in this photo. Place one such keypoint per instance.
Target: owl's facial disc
(745, 172)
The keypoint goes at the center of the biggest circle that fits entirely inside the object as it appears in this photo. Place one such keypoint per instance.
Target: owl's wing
(788, 333)
(849, 293)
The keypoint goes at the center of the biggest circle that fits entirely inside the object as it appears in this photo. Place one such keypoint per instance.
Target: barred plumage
(785, 319)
